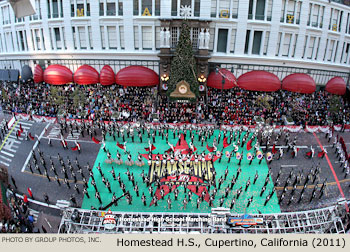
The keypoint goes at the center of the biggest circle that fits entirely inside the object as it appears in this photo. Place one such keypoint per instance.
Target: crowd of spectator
(20, 220)
(235, 106)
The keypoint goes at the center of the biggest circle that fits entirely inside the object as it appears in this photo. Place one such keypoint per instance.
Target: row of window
(148, 38)
(258, 10)
(82, 39)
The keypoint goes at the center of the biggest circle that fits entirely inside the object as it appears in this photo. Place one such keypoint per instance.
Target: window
(233, 40)
(260, 9)
(103, 40)
(75, 37)
(290, 12)
(38, 39)
(174, 36)
(211, 40)
(55, 8)
(147, 7)
(176, 4)
(257, 42)
(136, 7)
(329, 50)
(112, 37)
(222, 40)
(6, 15)
(136, 37)
(82, 37)
(266, 42)
(335, 20)
(345, 54)
(37, 15)
(315, 18)
(80, 8)
(147, 40)
(260, 12)
(294, 45)
(278, 43)
(111, 10)
(157, 38)
(310, 47)
(286, 44)
(247, 38)
(90, 37)
(221, 8)
(1, 47)
(57, 39)
(194, 37)
(121, 35)
(22, 41)
(347, 29)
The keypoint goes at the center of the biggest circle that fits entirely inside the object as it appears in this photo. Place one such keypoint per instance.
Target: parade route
(92, 154)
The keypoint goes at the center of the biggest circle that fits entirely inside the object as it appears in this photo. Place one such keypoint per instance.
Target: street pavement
(15, 154)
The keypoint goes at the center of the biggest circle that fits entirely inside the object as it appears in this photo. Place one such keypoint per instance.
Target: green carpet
(248, 171)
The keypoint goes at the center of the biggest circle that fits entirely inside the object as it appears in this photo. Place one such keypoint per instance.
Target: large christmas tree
(183, 65)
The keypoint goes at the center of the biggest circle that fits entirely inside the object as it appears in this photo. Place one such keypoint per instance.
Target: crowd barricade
(293, 129)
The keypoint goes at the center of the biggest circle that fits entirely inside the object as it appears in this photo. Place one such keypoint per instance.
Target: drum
(259, 155)
(269, 156)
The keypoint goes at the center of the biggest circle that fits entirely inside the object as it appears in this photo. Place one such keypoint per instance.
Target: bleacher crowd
(235, 106)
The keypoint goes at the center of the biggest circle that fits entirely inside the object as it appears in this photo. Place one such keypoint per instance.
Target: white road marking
(27, 123)
(68, 140)
(5, 158)
(6, 164)
(23, 127)
(14, 139)
(288, 165)
(35, 145)
(6, 153)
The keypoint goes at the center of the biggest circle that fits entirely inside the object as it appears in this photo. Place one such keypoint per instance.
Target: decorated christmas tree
(183, 65)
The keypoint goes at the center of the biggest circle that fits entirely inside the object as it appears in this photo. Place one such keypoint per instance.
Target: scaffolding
(333, 219)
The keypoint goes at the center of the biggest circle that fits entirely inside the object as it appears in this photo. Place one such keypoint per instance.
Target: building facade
(281, 36)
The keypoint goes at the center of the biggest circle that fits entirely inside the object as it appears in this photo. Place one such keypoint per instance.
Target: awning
(4, 75)
(38, 74)
(58, 75)
(14, 75)
(300, 83)
(86, 75)
(259, 81)
(107, 76)
(26, 73)
(336, 85)
(137, 76)
(215, 79)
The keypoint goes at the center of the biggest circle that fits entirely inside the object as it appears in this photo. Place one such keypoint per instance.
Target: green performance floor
(248, 171)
